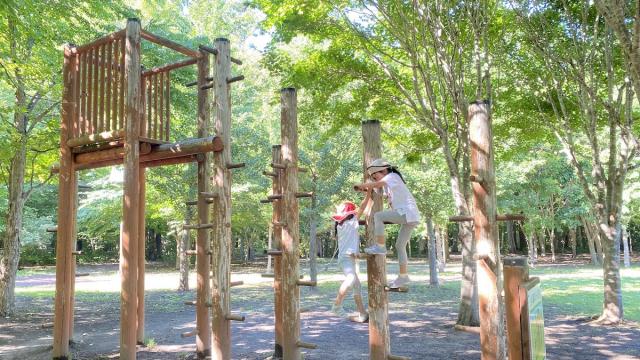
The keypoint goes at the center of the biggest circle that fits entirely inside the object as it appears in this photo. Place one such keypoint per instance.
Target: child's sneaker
(400, 281)
(360, 318)
(376, 249)
(338, 311)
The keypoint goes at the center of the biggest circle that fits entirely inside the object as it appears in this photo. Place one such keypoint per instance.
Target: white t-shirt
(400, 198)
(348, 238)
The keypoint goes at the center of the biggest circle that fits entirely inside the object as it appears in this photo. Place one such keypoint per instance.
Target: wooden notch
(235, 166)
(234, 317)
(278, 166)
(235, 78)
(306, 345)
(274, 252)
(268, 173)
(275, 197)
(236, 283)
(304, 195)
(168, 43)
(198, 226)
(187, 334)
(306, 283)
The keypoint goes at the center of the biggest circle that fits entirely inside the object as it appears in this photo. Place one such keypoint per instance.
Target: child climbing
(404, 211)
(347, 224)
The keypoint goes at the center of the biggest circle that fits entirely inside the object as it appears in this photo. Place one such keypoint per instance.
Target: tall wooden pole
(290, 231)
(72, 263)
(221, 258)
(203, 247)
(492, 332)
(66, 195)
(141, 254)
(379, 347)
(276, 217)
(131, 212)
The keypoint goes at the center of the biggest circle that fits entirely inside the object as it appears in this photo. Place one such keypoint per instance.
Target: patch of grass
(150, 343)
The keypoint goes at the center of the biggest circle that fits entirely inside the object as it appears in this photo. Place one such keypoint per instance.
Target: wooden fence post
(130, 213)
(379, 347)
(492, 331)
(66, 195)
(276, 217)
(141, 254)
(203, 266)
(221, 258)
(290, 231)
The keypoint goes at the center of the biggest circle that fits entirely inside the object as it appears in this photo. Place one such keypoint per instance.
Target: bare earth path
(421, 321)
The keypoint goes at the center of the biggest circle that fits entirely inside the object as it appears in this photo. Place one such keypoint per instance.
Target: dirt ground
(421, 321)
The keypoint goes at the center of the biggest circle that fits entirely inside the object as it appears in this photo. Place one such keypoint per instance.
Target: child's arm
(369, 185)
(366, 203)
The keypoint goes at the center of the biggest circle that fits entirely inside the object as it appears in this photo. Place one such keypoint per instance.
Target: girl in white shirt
(404, 211)
(347, 225)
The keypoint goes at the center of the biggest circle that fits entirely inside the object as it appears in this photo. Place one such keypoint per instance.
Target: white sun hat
(377, 165)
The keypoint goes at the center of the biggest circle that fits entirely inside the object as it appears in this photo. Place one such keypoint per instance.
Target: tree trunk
(10, 256)
(313, 251)
(440, 250)
(595, 259)
(541, 242)
(422, 245)
(433, 271)
(445, 243)
(533, 249)
(269, 247)
(158, 250)
(511, 237)
(552, 240)
(625, 243)
(185, 245)
(612, 311)
(573, 242)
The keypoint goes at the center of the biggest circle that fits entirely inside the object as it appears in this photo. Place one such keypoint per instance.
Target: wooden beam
(106, 136)
(276, 217)
(103, 40)
(130, 212)
(379, 344)
(108, 154)
(489, 277)
(141, 253)
(169, 44)
(169, 67)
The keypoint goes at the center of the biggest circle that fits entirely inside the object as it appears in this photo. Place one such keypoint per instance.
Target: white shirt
(400, 198)
(348, 238)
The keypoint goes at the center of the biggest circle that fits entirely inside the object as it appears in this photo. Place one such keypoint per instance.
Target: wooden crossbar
(169, 44)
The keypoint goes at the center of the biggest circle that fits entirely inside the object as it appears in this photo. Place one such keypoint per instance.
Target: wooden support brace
(208, 49)
(209, 195)
(267, 275)
(198, 226)
(235, 78)
(195, 202)
(207, 87)
(306, 283)
(278, 166)
(268, 173)
(187, 334)
(52, 229)
(303, 170)
(194, 83)
(279, 223)
(397, 357)
(235, 166)
(265, 201)
(306, 345)
(46, 325)
(82, 274)
(304, 195)
(192, 303)
(236, 283)
(274, 252)
(77, 253)
(402, 289)
(233, 317)
(191, 252)
(274, 197)
(236, 61)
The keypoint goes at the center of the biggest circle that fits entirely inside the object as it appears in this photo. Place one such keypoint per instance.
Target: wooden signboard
(537, 349)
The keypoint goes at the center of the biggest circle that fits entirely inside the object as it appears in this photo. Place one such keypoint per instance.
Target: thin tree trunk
(590, 241)
(511, 237)
(440, 250)
(541, 242)
(552, 240)
(445, 243)
(625, 243)
(433, 271)
(270, 231)
(313, 251)
(182, 255)
(573, 242)
(612, 311)
(533, 249)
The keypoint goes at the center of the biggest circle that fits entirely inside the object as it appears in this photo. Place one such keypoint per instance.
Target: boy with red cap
(347, 224)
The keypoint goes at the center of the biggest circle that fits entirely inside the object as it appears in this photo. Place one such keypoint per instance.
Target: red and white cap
(343, 210)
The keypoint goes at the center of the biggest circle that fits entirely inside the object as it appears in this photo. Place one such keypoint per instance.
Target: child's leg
(379, 218)
(357, 296)
(350, 277)
(401, 245)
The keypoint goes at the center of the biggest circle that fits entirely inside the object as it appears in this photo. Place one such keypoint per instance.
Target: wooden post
(516, 272)
(276, 217)
(184, 245)
(221, 258)
(290, 232)
(141, 252)
(66, 195)
(492, 332)
(72, 263)
(203, 287)
(130, 212)
(379, 347)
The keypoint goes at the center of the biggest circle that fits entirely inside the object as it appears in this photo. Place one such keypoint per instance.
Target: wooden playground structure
(116, 112)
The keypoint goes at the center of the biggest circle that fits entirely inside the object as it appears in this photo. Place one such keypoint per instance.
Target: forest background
(561, 77)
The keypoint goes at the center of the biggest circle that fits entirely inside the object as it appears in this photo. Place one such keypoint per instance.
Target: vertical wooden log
(160, 108)
(72, 263)
(433, 270)
(203, 337)
(96, 90)
(130, 212)
(155, 105)
(276, 217)
(143, 105)
(102, 60)
(76, 96)
(141, 252)
(492, 332)
(116, 82)
(379, 346)
(221, 259)
(123, 70)
(167, 105)
(516, 272)
(67, 179)
(90, 95)
(290, 231)
(107, 102)
(149, 104)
